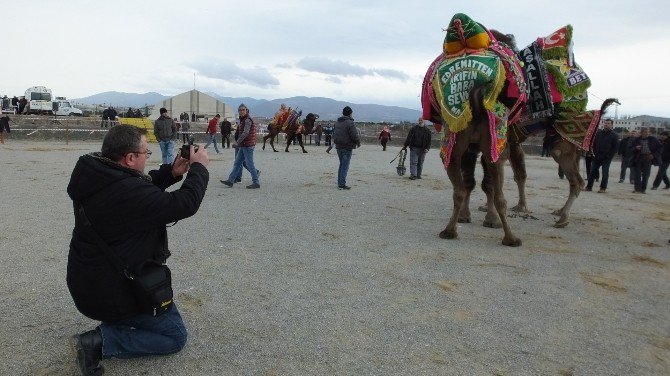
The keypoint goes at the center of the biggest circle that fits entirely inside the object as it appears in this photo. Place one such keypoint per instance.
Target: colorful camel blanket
(539, 103)
(454, 79)
(570, 79)
(578, 127)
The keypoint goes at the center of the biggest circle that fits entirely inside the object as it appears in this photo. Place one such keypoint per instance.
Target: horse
(293, 128)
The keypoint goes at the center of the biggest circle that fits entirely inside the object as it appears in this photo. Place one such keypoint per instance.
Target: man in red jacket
(211, 132)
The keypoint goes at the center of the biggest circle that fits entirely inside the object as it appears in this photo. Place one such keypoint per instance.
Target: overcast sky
(358, 51)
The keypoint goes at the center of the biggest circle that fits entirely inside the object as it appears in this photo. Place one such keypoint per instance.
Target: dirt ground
(299, 278)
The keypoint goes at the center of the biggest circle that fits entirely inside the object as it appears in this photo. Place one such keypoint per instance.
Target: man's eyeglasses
(148, 152)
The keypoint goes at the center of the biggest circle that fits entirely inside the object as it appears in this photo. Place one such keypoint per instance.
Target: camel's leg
(468, 164)
(265, 138)
(499, 199)
(272, 141)
(491, 220)
(518, 162)
(301, 144)
(568, 158)
(289, 139)
(456, 178)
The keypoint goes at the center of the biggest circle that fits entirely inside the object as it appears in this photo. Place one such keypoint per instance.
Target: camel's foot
(492, 220)
(558, 212)
(511, 241)
(492, 224)
(520, 208)
(275, 150)
(263, 147)
(562, 222)
(464, 220)
(483, 209)
(286, 150)
(448, 234)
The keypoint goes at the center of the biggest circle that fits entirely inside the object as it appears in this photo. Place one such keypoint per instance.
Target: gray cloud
(228, 71)
(342, 68)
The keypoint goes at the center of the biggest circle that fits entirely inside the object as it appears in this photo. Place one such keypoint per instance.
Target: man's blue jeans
(144, 335)
(245, 155)
(345, 157)
(211, 138)
(167, 151)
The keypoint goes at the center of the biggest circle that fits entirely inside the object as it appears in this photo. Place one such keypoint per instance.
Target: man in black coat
(646, 152)
(662, 174)
(626, 156)
(418, 140)
(604, 149)
(129, 211)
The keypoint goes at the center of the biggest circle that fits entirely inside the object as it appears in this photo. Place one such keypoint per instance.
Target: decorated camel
(287, 120)
(478, 89)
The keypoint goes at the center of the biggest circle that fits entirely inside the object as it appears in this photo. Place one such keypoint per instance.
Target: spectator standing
(418, 140)
(166, 133)
(346, 139)
(112, 115)
(185, 128)
(4, 128)
(318, 130)
(5, 103)
(15, 104)
(626, 154)
(646, 151)
(662, 174)
(23, 103)
(105, 118)
(328, 133)
(384, 137)
(226, 128)
(246, 142)
(211, 132)
(604, 149)
(129, 211)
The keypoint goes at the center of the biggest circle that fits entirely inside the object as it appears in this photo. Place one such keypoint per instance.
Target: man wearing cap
(346, 139)
(166, 133)
(245, 142)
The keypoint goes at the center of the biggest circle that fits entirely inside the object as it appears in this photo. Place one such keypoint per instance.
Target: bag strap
(112, 257)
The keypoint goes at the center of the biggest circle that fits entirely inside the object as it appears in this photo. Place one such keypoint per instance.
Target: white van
(62, 107)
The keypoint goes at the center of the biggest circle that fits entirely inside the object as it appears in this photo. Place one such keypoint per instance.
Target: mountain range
(328, 109)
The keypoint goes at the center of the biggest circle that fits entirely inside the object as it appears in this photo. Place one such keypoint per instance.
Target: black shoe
(412, 177)
(343, 187)
(418, 176)
(654, 188)
(253, 186)
(226, 182)
(88, 347)
(667, 187)
(238, 180)
(620, 180)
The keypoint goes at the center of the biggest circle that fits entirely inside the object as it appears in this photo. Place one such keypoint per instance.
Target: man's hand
(200, 156)
(180, 166)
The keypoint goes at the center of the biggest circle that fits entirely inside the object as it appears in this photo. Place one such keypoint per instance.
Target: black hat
(347, 111)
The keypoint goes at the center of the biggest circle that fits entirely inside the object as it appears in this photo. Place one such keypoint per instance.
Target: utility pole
(193, 80)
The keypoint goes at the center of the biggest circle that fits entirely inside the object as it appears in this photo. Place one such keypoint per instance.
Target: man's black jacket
(129, 210)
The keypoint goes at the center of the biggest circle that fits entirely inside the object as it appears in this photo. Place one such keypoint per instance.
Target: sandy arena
(329, 282)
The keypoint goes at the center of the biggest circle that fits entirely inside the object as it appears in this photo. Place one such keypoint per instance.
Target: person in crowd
(646, 152)
(165, 131)
(662, 174)
(5, 103)
(105, 118)
(626, 154)
(23, 105)
(130, 113)
(418, 139)
(211, 132)
(546, 141)
(226, 129)
(318, 131)
(112, 115)
(15, 104)
(588, 162)
(384, 137)
(4, 128)
(246, 142)
(185, 128)
(328, 134)
(604, 149)
(116, 203)
(346, 138)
